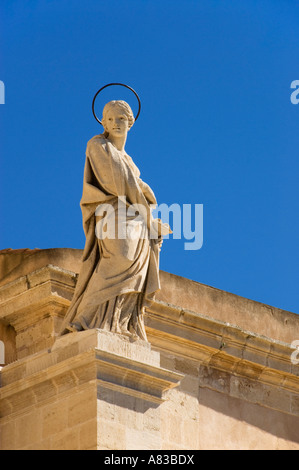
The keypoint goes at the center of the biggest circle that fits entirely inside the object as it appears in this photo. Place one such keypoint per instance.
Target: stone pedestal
(91, 390)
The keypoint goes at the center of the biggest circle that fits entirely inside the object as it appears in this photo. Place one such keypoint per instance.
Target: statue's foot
(131, 335)
(126, 333)
(73, 328)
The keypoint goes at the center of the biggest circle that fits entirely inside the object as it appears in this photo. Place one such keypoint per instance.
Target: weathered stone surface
(204, 381)
(63, 391)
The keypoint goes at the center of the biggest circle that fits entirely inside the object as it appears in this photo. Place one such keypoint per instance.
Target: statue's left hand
(160, 241)
(159, 229)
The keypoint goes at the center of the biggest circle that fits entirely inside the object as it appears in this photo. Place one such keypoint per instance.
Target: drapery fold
(118, 276)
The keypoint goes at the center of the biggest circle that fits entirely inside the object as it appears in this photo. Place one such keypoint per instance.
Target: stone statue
(120, 268)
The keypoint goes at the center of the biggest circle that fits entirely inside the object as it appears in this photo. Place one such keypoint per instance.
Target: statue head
(118, 106)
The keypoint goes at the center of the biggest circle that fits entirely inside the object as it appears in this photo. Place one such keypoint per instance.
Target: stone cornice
(29, 297)
(221, 345)
(170, 328)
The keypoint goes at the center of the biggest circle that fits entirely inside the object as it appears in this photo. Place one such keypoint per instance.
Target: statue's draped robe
(118, 276)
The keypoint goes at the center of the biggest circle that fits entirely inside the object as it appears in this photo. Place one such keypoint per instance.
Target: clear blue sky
(217, 126)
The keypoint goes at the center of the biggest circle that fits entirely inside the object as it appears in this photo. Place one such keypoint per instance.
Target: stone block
(111, 436)
(82, 406)
(8, 435)
(28, 428)
(88, 435)
(68, 439)
(54, 418)
(136, 440)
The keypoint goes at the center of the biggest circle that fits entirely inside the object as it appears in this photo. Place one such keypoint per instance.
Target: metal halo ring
(110, 84)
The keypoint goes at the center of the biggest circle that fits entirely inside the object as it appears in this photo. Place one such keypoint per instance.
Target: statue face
(116, 122)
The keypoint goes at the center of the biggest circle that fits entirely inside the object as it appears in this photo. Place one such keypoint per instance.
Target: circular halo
(110, 84)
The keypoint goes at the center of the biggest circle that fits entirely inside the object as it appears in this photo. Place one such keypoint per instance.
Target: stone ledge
(22, 295)
(257, 390)
(15, 264)
(108, 358)
(194, 336)
(35, 305)
(247, 314)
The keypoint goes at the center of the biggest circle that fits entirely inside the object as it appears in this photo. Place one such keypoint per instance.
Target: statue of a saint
(120, 268)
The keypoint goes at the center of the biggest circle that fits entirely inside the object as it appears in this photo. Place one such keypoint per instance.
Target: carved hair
(123, 106)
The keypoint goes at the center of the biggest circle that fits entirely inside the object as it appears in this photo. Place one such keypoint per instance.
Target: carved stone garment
(119, 276)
